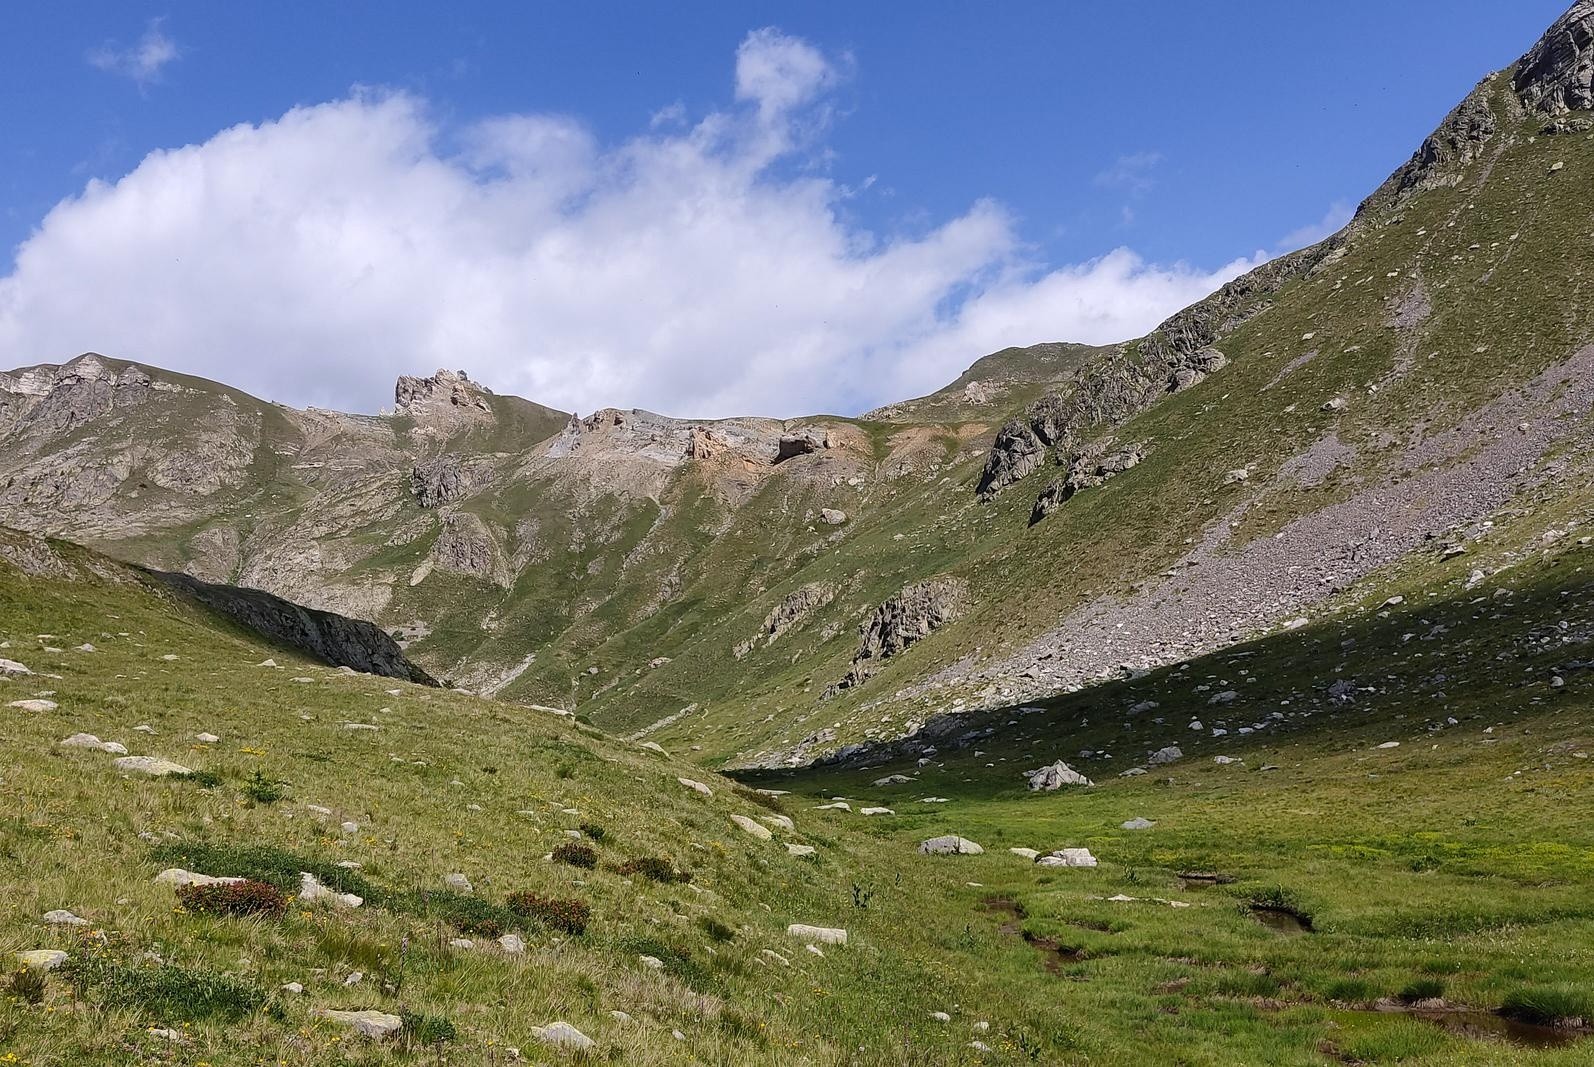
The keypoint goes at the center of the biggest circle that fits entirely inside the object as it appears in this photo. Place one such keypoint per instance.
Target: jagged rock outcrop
(912, 615)
(467, 546)
(445, 390)
(333, 639)
(445, 479)
(1557, 74)
(793, 608)
(1084, 472)
(792, 445)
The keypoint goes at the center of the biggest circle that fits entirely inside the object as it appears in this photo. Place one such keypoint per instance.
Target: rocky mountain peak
(439, 392)
(1557, 74)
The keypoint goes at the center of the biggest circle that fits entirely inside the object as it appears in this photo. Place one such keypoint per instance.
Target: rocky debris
(312, 891)
(876, 811)
(1084, 472)
(1137, 824)
(331, 638)
(177, 877)
(154, 766)
(949, 845)
(41, 959)
(696, 786)
(62, 917)
(913, 614)
(793, 609)
(832, 517)
(1556, 75)
(512, 944)
(447, 478)
(81, 740)
(1165, 755)
(794, 849)
(467, 546)
(1059, 774)
(822, 935)
(1025, 853)
(805, 443)
(368, 1022)
(36, 705)
(563, 1035)
(1067, 857)
(756, 829)
(11, 666)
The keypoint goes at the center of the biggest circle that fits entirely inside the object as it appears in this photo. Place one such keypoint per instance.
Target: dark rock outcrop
(913, 614)
(793, 608)
(792, 445)
(445, 479)
(333, 639)
(1084, 472)
(1557, 74)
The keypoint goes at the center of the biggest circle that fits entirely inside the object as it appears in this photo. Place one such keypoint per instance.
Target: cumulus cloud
(142, 61)
(312, 258)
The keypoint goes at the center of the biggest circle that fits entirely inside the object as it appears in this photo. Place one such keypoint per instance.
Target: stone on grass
(292, 987)
(940, 1016)
(824, 935)
(1059, 774)
(458, 883)
(949, 845)
(799, 850)
(311, 891)
(62, 917)
(781, 821)
(513, 944)
(892, 779)
(1026, 853)
(757, 829)
(838, 805)
(695, 786)
(562, 1035)
(461, 943)
(90, 741)
(875, 811)
(42, 959)
(1137, 824)
(1390, 744)
(11, 666)
(377, 1025)
(153, 766)
(176, 876)
(654, 746)
(34, 705)
(1068, 857)
(652, 962)
(1165, 755)
(206, 738)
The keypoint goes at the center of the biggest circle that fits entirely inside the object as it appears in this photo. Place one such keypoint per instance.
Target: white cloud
(1334, 219)
(1134, 174)
(312, 258)
(143, 61)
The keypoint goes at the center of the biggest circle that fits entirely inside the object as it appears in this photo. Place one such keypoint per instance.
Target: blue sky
(975, 161)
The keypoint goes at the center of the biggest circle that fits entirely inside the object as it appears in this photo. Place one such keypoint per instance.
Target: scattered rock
(698, 787)
(176, 876)
(311, 891)
(1059, 774)
(62, 917)
(458, 883)
(875, 811)
(1165, 755)
(513, 944)
(1026, 853)
(950, 845)
(799, 850)
(825, 935)
(90, 741)
(757, 829)
(1137, 824)
(377, 1025)
(832, 517)
(1068, 857)
(34, 705)
(42, 959)
(562, 1035)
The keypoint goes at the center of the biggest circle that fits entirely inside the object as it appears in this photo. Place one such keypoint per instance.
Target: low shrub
(577, 854)
(594, 831)
(426, 1031)
(247, 898)
(653, 868)
(203, 779)
(264, 863)
(263, 790)
(570, 915)
(105, 973)
(716, 929)
(467, 914)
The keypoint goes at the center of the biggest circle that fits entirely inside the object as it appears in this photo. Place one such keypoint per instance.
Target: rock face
(913, 614)
(1084, 472)
(445, 479)
(1067, 857)
(792, 445)
(467, 546)
(331, 638)
(1059, 774)
(792, 610)
(1557, 74)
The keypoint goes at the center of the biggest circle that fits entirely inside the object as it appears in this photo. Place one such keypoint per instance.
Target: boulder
(697, 787)
(11, 666)
(875, 811)
(757, 829)
(153, 766)
(41, 959)
(1165, 755)
(1059, 774)
(1026, 853)
(824, 935)
(799, 850)
(1137, 824)
(1067, 857)
(950, 845)
(832, 517)
(377, 1025)
(311, 891)
(62, 917)
(892, 779)
(176, 876)
(458, 883)
(90, 741)
(780, 821)
(562, 1035)
(34, 705)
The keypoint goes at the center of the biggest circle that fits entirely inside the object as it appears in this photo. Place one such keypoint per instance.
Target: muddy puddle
(1488, 1026)
(1052, 955)
(1280, 920)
